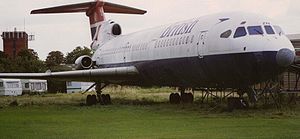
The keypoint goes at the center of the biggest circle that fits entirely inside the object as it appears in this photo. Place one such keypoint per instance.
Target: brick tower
(13, 42)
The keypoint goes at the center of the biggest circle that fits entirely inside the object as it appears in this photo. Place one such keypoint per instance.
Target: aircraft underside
(216, 71)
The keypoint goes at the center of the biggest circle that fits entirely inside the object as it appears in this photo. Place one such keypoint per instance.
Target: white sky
(65, 32)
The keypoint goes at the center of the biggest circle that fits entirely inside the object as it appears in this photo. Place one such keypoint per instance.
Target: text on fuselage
(179, 29)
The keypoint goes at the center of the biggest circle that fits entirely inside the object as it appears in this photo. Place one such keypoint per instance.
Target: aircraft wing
(111, 75)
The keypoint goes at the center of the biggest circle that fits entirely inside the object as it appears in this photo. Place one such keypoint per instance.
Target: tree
(54, 58)
(77, 52)
(4, 62)
(27, 60)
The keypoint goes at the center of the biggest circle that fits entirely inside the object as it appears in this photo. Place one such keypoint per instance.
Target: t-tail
(101, 30)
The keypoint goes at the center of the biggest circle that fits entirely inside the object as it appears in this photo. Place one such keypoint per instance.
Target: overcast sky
(66, 31)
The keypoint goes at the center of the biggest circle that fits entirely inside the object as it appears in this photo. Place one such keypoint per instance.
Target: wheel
(177, 98)
(108, 98)
(89, 100)
(184, 98)
(103, 99)
(190, 98)
(172, 98)
(93, 100)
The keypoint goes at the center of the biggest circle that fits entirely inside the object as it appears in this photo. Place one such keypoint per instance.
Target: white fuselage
(204, 39)
(226, 50)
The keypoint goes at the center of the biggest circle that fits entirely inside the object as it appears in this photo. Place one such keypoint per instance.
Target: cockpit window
(278, 30)
(269, 30)
(226, 34)
(240, 32)
(255, 30)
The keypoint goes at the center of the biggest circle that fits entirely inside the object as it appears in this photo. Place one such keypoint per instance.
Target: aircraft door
(201, 44)
(126, 52)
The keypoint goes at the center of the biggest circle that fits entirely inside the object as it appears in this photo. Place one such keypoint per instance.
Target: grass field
(139, 116)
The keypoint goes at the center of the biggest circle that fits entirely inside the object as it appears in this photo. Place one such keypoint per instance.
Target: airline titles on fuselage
(179, 29)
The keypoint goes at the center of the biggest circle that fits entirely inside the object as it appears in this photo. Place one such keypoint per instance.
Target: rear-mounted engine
(83, 62)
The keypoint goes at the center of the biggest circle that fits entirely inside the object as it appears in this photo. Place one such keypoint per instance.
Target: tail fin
(94, 10)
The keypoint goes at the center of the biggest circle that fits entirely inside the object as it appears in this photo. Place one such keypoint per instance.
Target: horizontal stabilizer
(84, 7)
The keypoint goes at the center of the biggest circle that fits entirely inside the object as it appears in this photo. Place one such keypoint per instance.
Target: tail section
(95, 11)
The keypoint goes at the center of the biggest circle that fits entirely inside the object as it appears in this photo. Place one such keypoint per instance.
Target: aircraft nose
(285, 57)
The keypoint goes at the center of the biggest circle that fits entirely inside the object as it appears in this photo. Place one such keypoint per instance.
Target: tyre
(94, 100)
(89, 100)
(184, 98)
(172, 98)
(108, 98)
(103, 99)
(190, 98)
(177, 98)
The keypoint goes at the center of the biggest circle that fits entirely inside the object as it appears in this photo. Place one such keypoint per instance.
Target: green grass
(62, 116)
(140, 121)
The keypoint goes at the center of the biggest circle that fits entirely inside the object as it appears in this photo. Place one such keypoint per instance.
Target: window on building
(26, 85)
(38, 86)
(240, 32)
(69, 83)
(12, 85)
(1, 84)
(255, 30)
(226, 34)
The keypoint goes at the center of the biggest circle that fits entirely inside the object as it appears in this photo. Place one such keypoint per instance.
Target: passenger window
(187, 39)
(180, 40)
(226, 34)
(255, 30)
(173, 42)
(240, 32)
(269, 30)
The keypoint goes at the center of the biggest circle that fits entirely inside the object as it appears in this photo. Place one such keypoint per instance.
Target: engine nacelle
(116, 29)
(83, 62)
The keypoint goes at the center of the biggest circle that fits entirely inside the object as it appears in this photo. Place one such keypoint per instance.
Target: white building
(75, 87)
(34, 86)
(10, 87)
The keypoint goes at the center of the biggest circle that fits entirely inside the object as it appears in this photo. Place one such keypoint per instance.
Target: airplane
(225, 50)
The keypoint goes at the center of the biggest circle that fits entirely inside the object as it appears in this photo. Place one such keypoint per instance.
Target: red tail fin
(94, 10)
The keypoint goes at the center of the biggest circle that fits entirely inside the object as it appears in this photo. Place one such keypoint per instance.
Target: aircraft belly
(227, 70)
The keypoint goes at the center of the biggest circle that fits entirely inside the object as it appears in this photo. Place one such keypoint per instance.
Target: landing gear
(103, 99)
(175, 98)
(91, 100)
